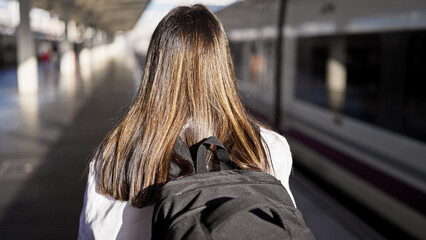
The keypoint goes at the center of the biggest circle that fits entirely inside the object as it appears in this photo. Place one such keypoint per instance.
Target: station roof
(109, 15)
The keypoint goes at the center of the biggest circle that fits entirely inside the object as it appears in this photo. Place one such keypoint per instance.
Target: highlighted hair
(188, 89)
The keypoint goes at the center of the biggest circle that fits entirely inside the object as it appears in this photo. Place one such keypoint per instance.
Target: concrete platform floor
(44, 144)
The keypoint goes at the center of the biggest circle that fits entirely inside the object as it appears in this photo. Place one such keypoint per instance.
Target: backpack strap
(200, 155)
(183, 151)
(221, 155)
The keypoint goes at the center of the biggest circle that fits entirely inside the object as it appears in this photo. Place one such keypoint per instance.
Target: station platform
(46, 140)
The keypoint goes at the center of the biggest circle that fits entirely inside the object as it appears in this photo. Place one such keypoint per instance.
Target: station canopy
(108, 15)
(250, 14)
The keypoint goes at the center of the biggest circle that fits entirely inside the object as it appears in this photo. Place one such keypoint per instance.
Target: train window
(363, 76)
(269, 55)
(311, 63)
(261, 61)
(237, 58)
(415, 96)
(375, 77)
(254, 61)
(257, 62)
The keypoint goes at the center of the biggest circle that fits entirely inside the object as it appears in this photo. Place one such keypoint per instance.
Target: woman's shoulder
(107, 218)
(273, 139)
(278, 151)
(279, 155)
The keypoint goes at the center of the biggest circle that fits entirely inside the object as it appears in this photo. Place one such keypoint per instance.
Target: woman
(188, 90)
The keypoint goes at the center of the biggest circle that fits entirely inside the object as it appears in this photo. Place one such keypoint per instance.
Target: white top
(103, 217)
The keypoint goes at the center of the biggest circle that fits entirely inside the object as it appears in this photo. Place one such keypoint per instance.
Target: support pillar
(67, 62)
(27, 58)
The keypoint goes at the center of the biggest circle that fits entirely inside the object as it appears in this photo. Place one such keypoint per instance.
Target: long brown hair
(188, 89)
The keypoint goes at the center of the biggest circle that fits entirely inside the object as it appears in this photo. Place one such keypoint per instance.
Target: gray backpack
(226, 204)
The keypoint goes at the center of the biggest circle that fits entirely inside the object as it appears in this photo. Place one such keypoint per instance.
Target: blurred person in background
(44, 51)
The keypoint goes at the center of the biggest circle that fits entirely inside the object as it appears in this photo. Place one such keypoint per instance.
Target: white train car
(353, 101)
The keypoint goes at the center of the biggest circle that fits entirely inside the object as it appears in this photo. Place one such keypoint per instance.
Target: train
(345, 82)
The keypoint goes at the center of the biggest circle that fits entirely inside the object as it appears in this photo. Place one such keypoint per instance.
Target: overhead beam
(101, 13)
